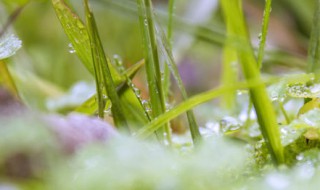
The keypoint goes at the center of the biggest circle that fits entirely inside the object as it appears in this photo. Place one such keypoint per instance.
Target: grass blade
(264, 110)
(7, 80)
(193, 102)
(152, 64)
(76, 32)
(314, 46)
(102, 72)
(166, 51)
(264, 31)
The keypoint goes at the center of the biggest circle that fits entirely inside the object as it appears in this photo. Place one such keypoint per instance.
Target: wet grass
(140, 102)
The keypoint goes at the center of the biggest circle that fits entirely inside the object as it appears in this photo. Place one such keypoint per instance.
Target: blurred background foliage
(198, 36)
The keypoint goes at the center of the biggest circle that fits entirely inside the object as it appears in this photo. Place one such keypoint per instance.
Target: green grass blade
(166, 51)
(78, 35)
(314, 44)
(76, 32)
(153, 71)
(264, 110)
(102, 70)
(7, 80)
(193, 102)
(264, 31)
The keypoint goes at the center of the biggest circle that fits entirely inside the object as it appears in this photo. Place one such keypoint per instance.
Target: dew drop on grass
(299, 157)
(229, 124)
(299, 91)
(119, 63)
(145, 22)
(288, 135)
(9, 45)
(71, 49)
(147, 107)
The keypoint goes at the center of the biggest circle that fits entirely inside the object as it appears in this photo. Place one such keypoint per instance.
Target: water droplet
(229, 124)
(299, 157)
(145, 22)
(71, 49)
(147, 107)
(299, 91)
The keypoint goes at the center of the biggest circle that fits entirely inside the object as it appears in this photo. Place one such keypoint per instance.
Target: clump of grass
(216, 161)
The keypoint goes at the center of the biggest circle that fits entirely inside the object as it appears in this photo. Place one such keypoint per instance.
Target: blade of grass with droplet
(314, 44)
(264, 31)
(102, 70)
(78, 35)
(195, 101)
(153, 72)
(76, 32)
(232, 10)
(166, 51)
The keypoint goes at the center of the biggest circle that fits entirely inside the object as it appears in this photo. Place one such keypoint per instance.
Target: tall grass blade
(232, 10)
(6, 79)
(153, 71)
(264, 31)
(314, 44)
(166, 51)
(102, 70)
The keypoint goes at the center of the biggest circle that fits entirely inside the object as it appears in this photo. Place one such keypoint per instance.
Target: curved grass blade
(193, 102)
(232, 10)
